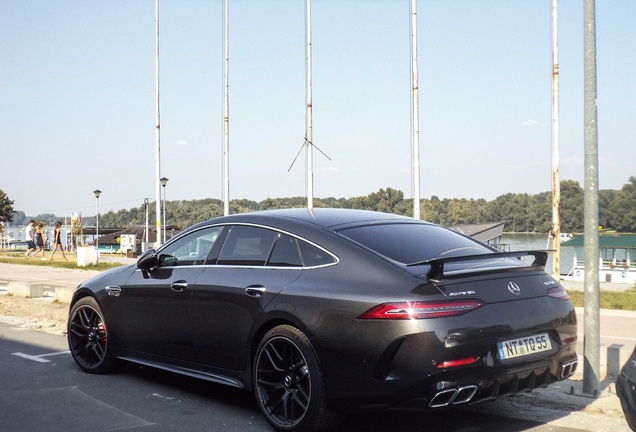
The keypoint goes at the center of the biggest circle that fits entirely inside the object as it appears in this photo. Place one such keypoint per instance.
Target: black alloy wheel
(289, 384)
(88, 337)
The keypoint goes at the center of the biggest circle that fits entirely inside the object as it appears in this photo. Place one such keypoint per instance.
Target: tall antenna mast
(309, 154)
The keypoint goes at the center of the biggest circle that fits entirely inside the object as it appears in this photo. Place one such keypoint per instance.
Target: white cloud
(529, 122)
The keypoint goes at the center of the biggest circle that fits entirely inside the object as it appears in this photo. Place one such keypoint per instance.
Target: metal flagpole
(308, 115)
(157, 129)
(226, 108)
(415, 140)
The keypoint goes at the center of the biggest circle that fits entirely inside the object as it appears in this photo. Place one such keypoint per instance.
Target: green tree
(605, 198)
(540, 213)
(6, 208)
(512, 210)
(623, 207)
(434, 210)
(571, 206)
(385, 200)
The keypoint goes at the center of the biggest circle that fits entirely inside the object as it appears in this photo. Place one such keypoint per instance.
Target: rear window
(409, 243)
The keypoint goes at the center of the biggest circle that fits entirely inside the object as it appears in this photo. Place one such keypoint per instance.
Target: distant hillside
(520, 212)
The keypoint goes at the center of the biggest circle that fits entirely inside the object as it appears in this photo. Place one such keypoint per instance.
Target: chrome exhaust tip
(568, 368)
(443, 398)
(465, 394)
(454, 396)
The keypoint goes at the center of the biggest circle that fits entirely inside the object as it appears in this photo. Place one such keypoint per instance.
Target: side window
(313, 256)
(285, 253)
(192, 249)
(246, 245)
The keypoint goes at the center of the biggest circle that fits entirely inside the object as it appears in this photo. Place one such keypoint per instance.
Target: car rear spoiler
(437, 264)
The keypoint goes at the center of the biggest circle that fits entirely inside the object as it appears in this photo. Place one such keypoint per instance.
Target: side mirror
(148, 260)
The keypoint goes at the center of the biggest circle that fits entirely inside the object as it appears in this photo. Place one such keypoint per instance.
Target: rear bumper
(465, 385)
(432, 364)
(472, 386)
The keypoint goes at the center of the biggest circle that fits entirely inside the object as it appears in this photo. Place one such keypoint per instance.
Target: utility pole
(591, 368)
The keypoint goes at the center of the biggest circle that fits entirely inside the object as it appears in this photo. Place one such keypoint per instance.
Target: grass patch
(625, 300)
(18, 258)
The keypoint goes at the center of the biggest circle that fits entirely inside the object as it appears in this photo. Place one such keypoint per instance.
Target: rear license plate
(524, 346)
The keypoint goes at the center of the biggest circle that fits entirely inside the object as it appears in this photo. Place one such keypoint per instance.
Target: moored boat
(617, 260)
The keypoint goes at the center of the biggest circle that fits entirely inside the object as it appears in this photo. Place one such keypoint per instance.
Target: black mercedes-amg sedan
(328, 311)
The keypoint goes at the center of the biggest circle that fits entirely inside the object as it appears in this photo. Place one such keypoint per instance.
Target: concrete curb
(35, 290)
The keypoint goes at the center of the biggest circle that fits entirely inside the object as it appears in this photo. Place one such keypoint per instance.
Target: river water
(529, 241)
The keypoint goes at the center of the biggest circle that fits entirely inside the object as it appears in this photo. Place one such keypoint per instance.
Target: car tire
(289, 383)
(88, 337)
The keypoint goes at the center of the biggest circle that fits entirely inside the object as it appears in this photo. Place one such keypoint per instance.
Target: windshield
(412, 242)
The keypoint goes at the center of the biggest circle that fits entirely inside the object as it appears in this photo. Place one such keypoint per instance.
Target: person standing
(57, 241)
(29, 239)
(39, 240)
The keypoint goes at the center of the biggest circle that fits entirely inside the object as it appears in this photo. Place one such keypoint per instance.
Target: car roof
(320, 217)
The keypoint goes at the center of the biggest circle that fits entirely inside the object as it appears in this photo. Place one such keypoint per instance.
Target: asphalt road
(41, 389)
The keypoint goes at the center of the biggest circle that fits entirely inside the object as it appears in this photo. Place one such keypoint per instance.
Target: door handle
(179, 286)
(255, 290)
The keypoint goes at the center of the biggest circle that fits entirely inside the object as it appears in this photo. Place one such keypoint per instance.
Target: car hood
(118, 273)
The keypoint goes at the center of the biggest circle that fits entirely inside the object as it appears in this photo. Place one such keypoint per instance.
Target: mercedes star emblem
(514, 288)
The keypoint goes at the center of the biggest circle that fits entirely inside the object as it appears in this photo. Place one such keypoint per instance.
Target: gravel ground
(40, 314)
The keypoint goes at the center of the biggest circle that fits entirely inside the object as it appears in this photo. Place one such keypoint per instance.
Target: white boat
(565, 237)
(616, 261)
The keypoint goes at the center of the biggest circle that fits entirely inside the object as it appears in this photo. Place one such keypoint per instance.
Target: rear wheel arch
(289, 383)
(261, 329)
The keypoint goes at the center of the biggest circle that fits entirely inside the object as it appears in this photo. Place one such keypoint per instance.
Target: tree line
(521, 212)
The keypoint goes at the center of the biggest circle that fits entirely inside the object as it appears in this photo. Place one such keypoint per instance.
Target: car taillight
(558, 292)
(420, 310)
(456, 363)
(570, 340)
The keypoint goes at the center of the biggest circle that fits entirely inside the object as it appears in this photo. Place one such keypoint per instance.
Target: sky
(77, 99)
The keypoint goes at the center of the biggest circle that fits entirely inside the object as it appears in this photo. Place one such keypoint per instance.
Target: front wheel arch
(88, 338)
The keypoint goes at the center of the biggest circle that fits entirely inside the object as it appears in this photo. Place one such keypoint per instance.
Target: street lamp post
(164, 182)
(146, 240)
(97, 193)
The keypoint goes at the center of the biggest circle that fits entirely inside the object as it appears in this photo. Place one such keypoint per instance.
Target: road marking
(39, 358)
